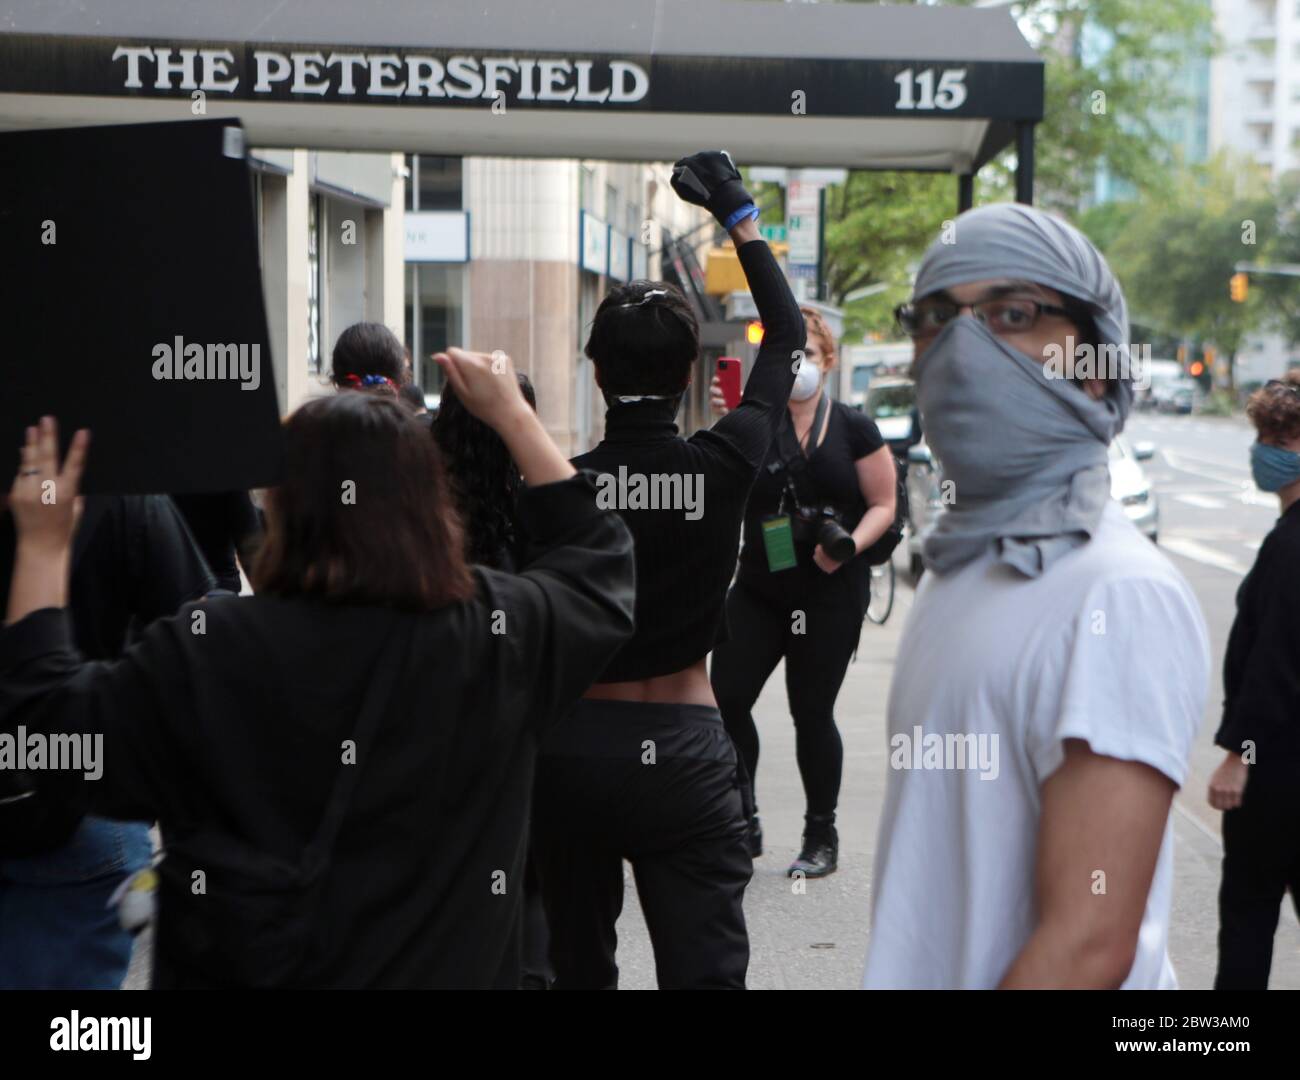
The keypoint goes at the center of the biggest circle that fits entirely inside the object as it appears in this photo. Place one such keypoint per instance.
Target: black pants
(656, 785)
(763, 630)
(1261, 860)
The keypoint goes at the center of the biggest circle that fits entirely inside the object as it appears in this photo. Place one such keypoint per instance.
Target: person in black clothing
(484, 480)
(486, 484)
(1258, 783)
(643, 769)
(370, 645)
(133, 562)
(796, 600)
(225, 526)
(368, 356)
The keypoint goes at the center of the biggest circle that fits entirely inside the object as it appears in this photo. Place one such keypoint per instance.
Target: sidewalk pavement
(818, 940)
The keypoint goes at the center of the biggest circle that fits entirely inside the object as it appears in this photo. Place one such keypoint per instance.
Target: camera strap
(794, 454)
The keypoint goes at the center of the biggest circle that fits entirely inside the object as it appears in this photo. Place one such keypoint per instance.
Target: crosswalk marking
(1203, 502)
(1197, 552)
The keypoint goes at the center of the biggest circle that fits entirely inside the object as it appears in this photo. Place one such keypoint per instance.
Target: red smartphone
(729, 378)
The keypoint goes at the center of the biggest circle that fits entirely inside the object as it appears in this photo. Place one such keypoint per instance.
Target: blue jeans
(56, 930)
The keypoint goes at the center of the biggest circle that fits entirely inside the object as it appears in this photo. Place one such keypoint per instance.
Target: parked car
(891, 403)
(1129, 486)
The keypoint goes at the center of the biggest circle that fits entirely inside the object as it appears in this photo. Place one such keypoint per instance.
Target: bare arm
(487, 386)
(880, 491)
(44, 502)
(879, 484)
(1100, 816)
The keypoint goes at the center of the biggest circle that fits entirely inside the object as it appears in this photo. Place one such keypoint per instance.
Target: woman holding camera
(826, 493)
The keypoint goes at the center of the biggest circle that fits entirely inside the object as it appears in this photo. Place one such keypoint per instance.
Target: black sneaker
(820, 853)
(755, 837)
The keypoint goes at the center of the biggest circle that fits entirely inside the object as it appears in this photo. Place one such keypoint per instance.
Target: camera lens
(836, 542)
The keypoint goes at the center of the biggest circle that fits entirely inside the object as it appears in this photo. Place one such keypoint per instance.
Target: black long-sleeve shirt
(242, 727)
(684, 566)
(132, 562)
(1261, 668)
(224, 524)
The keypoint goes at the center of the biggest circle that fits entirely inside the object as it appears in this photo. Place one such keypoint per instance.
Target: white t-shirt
(1108, 645)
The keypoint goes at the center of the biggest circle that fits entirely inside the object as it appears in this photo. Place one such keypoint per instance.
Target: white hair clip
(649, 293)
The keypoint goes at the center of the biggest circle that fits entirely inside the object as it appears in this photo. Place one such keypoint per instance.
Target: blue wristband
(748, 210)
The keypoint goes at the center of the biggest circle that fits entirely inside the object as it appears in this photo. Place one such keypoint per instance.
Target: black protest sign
(134, 305)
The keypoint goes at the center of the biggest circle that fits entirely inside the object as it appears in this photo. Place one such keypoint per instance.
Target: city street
(1212, 521)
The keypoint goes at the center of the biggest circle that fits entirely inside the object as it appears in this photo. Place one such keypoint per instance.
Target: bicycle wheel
(882, 593)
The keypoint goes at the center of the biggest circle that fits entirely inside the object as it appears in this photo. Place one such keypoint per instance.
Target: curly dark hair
(484, 478)
(1275, 409)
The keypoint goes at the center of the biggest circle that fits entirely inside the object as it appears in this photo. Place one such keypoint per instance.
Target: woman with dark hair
(484, 479)
(368, 355)
(344, 760)
(644, 769)
(486, 484)
(1257, 784)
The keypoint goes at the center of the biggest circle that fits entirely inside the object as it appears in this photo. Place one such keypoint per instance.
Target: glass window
(438, 183)
(434, 317)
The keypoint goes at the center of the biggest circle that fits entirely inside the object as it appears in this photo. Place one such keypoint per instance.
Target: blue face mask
(1273, 467)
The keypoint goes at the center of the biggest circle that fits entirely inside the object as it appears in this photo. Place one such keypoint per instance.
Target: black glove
(710, 179)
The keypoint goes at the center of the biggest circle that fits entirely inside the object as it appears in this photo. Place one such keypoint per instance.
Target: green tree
(1128, 51)
(1180, 247)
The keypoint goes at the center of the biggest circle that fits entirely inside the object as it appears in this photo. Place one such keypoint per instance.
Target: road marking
(1174, 456)
(1255, 497)
(1190, 549)
(1204, 502)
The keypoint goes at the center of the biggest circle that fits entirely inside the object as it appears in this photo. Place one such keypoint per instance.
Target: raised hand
(710, 179)
(485, 383)
(44, 498)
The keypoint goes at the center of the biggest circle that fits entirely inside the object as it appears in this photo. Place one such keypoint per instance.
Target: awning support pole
(1024, 161)
(965, 192)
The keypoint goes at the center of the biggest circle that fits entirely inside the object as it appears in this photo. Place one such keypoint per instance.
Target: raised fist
(710, 179)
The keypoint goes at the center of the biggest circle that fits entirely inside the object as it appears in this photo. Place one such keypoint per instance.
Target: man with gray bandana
(1048, 630)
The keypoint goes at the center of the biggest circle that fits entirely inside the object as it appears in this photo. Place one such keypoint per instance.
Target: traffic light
(1238, 287)
(754, 333)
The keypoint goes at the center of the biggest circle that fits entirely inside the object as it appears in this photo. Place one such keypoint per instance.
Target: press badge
(778, 540)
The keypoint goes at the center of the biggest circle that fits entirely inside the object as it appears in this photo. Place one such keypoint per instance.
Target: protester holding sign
(133, 561)
(340, 764)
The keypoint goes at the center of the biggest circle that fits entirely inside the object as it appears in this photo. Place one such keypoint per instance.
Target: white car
(1129, 487)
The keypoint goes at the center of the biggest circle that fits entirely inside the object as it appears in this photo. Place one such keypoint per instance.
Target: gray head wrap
(1026, 449)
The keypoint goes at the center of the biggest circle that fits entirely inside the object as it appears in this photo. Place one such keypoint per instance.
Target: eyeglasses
(1281, 384)
(1002, 316)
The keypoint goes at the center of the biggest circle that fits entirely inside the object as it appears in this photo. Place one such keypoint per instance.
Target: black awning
(856, 85)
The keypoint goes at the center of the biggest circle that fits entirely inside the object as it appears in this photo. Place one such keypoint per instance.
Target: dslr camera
(822, 525)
